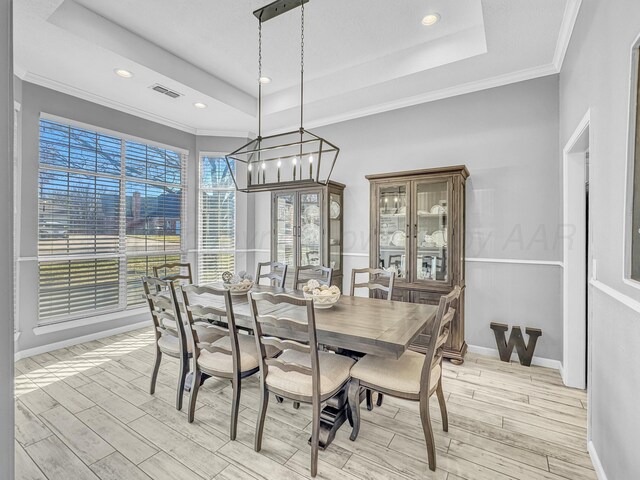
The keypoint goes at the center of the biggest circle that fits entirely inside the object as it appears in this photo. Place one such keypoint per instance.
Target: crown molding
(224, 133)
(19, 72)
(566, 30)
(471, 87)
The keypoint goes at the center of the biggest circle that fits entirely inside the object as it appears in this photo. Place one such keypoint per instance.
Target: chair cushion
(170, 344)
(221, 362)
(401, 375)
(334, 371)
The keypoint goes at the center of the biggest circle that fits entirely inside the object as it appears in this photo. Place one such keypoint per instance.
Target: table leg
(189, 380)
(333, 415)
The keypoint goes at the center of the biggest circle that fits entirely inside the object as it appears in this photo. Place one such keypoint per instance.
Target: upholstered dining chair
(312, 272)
(301, 373)
(378, 280)
(232, 356)
(170, 338)
(174, 271)
(413, 376)
(277, 273)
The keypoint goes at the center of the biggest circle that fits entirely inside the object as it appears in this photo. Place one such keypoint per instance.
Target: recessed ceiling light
(200, 105)
(264, 80)
(121, 72)
(430, 19)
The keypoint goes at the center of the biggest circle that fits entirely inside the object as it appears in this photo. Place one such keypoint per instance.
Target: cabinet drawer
(428, 298)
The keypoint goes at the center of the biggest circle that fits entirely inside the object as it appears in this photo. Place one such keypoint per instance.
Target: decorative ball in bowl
(323, 296)
(239, 283)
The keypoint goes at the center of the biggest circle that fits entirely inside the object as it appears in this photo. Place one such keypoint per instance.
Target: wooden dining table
(355, 324)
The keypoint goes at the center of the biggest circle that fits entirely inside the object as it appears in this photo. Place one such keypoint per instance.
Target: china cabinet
(308, 228)
(417, 231)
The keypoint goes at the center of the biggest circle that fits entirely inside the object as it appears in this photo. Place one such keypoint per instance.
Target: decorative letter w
(525, 352)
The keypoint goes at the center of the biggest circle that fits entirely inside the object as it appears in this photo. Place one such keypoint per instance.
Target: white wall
(596, 75)
(508, 138)
(6, 241)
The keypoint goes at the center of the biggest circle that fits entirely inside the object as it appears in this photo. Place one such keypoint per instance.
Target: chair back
(295, 329)
(215, 306)
(374, 283)
(312, 272)
(174, 271)
(163, 304)
(438, 334)
(277, 273)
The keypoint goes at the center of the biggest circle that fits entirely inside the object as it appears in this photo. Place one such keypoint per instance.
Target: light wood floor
(84, 412)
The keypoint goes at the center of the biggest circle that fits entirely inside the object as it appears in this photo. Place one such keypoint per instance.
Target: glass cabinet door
(431, 231)
(310, 228)
(393, 228)
(335, 231)
(285, 228)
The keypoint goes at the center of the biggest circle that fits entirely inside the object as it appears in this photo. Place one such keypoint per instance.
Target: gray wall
(6, 241)
(596, 76)
(508, 138)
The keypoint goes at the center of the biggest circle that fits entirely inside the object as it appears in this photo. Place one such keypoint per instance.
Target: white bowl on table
(323, 296)
(239, 288)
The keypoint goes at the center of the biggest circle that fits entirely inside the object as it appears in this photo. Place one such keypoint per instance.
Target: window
(109, 209)
(217, 219)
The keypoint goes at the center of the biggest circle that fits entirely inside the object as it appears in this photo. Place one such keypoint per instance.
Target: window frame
(200, 251)
(121, 254)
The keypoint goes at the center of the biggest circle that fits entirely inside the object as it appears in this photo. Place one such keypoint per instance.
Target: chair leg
(428, 431)
(443, 406)
(262, 413)
(193, 394)
(380, 398)
(156, 369)
(353, 394)
(235, 406)
(296, 405)
(369, 399)
(184, 370)
(315, 437)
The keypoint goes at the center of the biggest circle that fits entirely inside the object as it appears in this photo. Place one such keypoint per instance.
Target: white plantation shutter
(109, 210)
(217, 219)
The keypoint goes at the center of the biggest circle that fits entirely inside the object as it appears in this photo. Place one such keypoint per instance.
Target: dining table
(357, 325)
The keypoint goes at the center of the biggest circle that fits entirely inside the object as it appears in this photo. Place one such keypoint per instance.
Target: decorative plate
(438, 209)
(310, 234)
(439, 238)
(334, 209)
(311, 213)
(398, 238)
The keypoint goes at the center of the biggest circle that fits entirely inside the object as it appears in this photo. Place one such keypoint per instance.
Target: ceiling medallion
(285, 160)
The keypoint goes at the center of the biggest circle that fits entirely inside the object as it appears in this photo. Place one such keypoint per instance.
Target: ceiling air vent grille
(165, 91)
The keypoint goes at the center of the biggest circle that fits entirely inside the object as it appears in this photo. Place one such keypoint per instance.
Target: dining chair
(170, 337)
(312, 272)
(231, 355)
(373, 284)
(301, 373)
(277, 273)
(174, 271)
(413, 376)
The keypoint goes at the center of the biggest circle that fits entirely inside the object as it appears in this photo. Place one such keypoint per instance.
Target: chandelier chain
(301, 68)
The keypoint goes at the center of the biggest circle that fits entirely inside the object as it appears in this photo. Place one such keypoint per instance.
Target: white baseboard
(538, 361)
(596, 461)
(75, 341)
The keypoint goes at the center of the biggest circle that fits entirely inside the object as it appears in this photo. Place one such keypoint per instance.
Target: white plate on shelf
(334, 209)
(439, 238)
(438, 209)
(398, 238)
(311, 213)
(310, 234)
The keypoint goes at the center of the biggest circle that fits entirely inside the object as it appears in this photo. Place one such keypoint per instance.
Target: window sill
(83, 322)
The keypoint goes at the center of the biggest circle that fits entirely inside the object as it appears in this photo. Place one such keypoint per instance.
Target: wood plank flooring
(84, 412)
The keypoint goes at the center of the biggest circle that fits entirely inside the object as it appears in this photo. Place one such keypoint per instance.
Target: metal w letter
(525, 352)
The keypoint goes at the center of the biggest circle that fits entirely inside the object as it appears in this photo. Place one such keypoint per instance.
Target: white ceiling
(361, 56)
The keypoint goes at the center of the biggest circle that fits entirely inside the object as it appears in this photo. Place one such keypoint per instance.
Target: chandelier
(282, 161)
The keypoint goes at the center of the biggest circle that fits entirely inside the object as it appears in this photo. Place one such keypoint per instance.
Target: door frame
(575, 271)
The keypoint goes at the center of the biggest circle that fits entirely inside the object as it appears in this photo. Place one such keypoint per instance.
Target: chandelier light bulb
(279, 163)
(264, 165)
(294, 161)
(249, 167)
(310, 158)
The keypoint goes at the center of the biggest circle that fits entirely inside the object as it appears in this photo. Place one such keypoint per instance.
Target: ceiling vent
(165, 91)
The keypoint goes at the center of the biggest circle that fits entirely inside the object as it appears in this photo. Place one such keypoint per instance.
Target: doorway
(576, 256)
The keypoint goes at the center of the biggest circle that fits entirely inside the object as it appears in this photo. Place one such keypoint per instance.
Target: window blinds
(109, 209)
